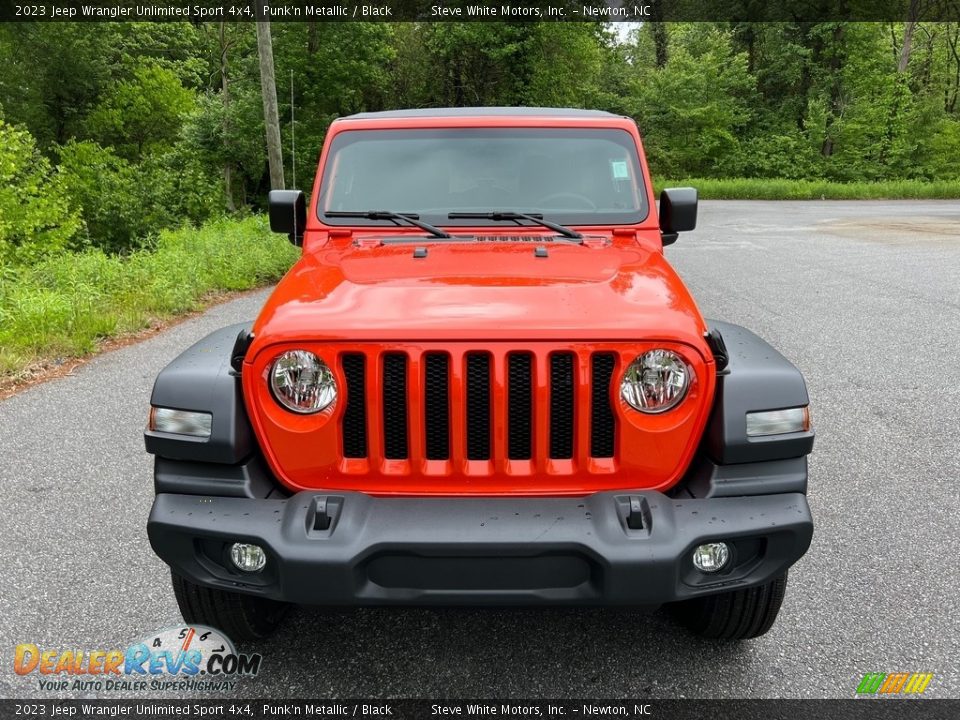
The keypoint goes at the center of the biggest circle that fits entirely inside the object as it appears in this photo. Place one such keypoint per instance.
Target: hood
(477, 290)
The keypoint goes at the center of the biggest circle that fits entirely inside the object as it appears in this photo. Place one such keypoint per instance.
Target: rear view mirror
(288, 213)
(678, 212)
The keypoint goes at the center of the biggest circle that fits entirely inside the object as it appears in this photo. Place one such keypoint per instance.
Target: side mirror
(288, 213)
(678, 212)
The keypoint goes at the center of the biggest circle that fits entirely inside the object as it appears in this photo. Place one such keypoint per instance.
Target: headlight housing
(302, 382)
(655, 382)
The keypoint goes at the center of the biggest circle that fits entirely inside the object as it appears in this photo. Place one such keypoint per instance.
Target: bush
(124, 205)
(104, 189)
(35, 217)
(63, 305)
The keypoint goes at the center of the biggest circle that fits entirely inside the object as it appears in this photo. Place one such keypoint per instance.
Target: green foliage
(55, 73)
(143, 114)
(124, 205)
(943, 149)
(62, 305)
(35, 218)
(693, 110)
(103, 189)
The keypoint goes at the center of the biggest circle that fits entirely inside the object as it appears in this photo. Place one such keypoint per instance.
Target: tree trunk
(951, 93)
(313, 42)
(268, 90)
(225, 92)
(907, 46)
(659, 30)
(834, 65)
(660, 44)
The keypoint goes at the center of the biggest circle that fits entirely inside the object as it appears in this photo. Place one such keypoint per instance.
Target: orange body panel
(614, 294)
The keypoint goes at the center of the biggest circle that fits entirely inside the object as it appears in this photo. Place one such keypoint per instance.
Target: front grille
(395, 406)
(436, 406)
(602, 422)
(479, 405)
(354, 435)
(519, 406)
(561, 405)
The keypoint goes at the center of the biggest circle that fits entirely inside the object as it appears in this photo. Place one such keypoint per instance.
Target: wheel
(736, 615)
(240, 617)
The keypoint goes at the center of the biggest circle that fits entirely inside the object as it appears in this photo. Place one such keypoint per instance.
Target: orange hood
(477, 291)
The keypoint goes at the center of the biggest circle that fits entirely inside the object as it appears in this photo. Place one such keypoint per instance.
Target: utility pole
(225, 94)
(268, 90)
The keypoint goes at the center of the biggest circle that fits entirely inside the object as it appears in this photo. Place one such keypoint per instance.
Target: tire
(736, 615)
(241, 617)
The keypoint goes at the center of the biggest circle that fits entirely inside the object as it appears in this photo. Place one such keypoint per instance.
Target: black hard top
(480, 112)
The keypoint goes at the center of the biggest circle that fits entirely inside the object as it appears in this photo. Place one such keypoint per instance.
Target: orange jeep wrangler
(481, 383)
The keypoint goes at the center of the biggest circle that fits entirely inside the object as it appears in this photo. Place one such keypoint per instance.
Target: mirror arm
(668, 238)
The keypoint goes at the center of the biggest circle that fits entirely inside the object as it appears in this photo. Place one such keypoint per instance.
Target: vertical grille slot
(519, 406)
(478, 406)
(561, 406)
(436, 406)
(394, 406)
(354, 423)
(602, 420)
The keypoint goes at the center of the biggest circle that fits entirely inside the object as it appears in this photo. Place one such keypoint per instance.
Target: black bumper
(373, 551)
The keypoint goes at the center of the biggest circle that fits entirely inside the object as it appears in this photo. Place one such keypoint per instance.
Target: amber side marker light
(778, 422)
(180, 422)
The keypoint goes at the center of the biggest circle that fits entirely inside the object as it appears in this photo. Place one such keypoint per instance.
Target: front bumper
(611, 548)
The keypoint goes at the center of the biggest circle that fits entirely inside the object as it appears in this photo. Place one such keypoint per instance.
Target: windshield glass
(571, 176)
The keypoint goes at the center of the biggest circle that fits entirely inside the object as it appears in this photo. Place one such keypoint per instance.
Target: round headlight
(302, 382)
(655, 382)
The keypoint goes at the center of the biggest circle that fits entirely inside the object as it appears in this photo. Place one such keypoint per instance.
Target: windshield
(570, 176)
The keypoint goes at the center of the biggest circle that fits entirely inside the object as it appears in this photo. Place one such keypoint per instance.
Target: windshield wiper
(510, 215)
(411, 218)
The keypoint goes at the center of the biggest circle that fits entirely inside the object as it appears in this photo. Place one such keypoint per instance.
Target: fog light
(249, 558)
(711, 557)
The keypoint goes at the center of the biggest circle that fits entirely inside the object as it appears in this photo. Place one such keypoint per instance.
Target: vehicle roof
(482, 112)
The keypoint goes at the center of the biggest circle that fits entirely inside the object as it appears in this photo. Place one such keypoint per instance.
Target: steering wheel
(581, 200)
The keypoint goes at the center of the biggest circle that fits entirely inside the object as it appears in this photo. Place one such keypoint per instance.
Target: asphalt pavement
(863, 296)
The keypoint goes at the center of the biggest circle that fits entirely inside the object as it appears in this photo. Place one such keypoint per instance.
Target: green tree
(35, 217)
(693, 109)
(142, 114)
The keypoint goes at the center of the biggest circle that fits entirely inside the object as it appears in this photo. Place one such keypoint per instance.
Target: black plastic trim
(757, 377)
(240, 347)
(202, 379)
(706, 479)
(249, 479)
(480, 551)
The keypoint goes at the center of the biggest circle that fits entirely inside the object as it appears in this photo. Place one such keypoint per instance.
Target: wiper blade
(411, 218)
(510, 215)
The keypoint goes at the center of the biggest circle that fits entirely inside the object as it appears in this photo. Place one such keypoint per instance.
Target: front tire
(241, 617)
(736, 615)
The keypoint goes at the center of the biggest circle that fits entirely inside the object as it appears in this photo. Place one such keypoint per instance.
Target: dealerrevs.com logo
(182, 658)
(894, 683)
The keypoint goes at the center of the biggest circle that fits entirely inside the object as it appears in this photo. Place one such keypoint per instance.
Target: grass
(782, 189)
(65, 305)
